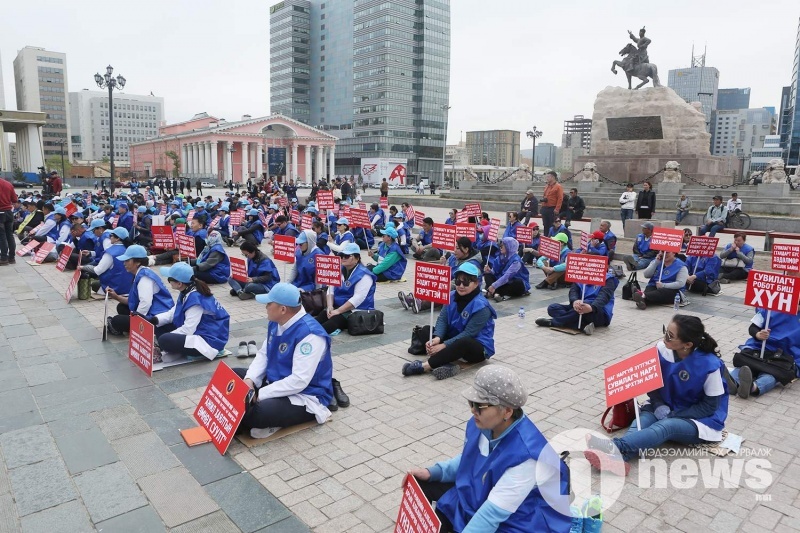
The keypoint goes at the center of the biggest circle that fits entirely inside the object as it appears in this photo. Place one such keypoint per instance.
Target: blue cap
(469, 268)
(223, 208)
(312, 203)
(312, 209)
(94, 207)
(97, 223)
(281, 294)
(301, 239)
(179, 271)
(133, 252)
(60, 210)
(273, 206)
(252, 213)
(350, 248)
(400, 214)
(176, 202)
(122, 205)
(141, 209)
(391, 232)
(122, 233)
(200, 204)
(344, 221)
(294, 200)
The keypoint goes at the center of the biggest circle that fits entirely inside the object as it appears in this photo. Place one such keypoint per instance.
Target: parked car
(208, 185)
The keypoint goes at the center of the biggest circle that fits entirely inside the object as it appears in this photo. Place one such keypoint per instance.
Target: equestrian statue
(635, 61)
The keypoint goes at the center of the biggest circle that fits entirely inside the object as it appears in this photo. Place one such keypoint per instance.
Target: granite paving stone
(109, 491)
(70, 517)
(239, 495)
(27, 446)
(141, 520)
(41, 374)
(40, 486)
(8, 514)
(217, 522)
(176, 496)
(205, 462)
(148, 400)
(145, 454)
(167, 424)
(85, 450)
(287, 525)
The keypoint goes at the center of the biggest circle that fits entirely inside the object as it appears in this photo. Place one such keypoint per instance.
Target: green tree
(17, 174)
(176, 163)
(105, 159)
(54, 163)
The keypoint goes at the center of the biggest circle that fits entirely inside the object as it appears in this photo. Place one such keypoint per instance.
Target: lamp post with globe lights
(533, 134)
(108, 81)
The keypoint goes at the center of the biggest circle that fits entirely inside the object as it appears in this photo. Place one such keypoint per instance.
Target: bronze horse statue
(632, 68)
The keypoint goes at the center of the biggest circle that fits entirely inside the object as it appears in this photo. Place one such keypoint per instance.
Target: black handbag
(365, 322)
(313, 301)
(417, 342)
(778, 364)
(630, 286)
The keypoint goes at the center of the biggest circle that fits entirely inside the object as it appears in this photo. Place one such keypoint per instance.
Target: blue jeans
(625, 214)
(642, 262)
(765, 382)
(680, 215)
(711, 229)
(656, 432)
(252, 288)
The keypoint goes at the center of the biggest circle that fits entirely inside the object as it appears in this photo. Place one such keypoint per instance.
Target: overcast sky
(514, 64)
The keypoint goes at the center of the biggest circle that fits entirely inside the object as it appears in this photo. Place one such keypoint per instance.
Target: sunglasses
(462, 282)
(345, 256)
(477, 406)
(667, 335)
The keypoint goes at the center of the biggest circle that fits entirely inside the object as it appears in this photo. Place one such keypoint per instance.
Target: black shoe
(234, 292)
(544, 322)
(333, 405)
(341, 398)
(542, 285)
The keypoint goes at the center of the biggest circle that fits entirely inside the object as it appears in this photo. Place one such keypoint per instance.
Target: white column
(259, 160)
(324, 167)
(332, 163)
(190, 159)
(196, 159)
(228, 161)
(320, 164)
(307, 173)
(214, 163)
(184, 159)
(201, 156)
(245, 158)
(295, 168)
(207, 151)
(252, 151)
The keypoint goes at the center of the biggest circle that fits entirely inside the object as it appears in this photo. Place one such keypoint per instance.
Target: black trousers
(467, 349)
(272, 413)
(332, 324)
(513, 288)
(433, 491)
(735, 273)
(122, 322)
(173, 342)
(659, 296)
(699, 286)
(7, 242)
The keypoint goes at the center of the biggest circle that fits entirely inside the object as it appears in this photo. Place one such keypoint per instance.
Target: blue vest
(125, 221)
(87, 242)
(552, 232)
(478, 474)
(347, 236)
(669, 275)
(426, 237)
(344, 292)
(401, 230)
(199, 234)
(215, 323)
(381, 217)
(593, 290)
(280, 356)
(222, 270)
(499, 269)
(745, 249)
(56, 231)
(53, 233)
(162, 299)
(258, 234)
(562, 258)
(458, 321)
(290, 230)
(117, 277)
(784, 334)
(396, 270)
(642, 244)
(610, 240)
(601, 248)
(255, 270)
(707, 267)
(224, 226)
(306, 267)
(453, 263)
(143, 223)
(684, 381)
(511, 230)
(99, 249)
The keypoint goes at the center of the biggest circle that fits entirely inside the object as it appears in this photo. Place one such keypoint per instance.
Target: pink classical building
(220, 151)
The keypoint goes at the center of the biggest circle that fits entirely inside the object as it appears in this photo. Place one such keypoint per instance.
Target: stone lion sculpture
(672, 172)
(589, 173)
(775, 172)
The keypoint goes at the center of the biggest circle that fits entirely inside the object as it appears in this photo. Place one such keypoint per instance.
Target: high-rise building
(577, 133)
(733, 99)
(545, 155)
(760, 157)
(784, 129)
(40, 80)
(136, 118)
(793, 110)
(697, 84)
(5, 156)
(498, 148)
(737, 132)
(374, 74)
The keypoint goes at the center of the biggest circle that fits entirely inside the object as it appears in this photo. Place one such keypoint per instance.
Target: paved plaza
(90, 443)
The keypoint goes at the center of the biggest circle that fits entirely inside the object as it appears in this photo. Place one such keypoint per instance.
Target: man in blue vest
(666, 281)
(642, 254)
(737, 259)
(595, 306)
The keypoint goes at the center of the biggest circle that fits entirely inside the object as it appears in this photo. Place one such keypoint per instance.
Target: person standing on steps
(552, 198)
(646, 202)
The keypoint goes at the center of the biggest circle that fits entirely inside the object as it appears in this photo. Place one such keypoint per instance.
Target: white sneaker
(151, 260)
(167, 357)
(263, 433)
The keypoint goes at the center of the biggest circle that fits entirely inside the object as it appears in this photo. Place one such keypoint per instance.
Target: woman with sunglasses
(390, 258)
(690, 408)
(464, 329)
(505, 275)
(357, 291)
(507, 477)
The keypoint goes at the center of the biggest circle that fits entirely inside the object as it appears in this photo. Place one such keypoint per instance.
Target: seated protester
(201, 214)
(482, 243)
(403, 234)
(212, 264)
(559, 227)
(110, 272)
(108, 214)
(597, 245)
(505, 275)
(464, 329)
(102, 242)
(409, 222)
(60, 232)
(513, 224)
(687, 236)
(343, 235)
(302, 272)
(364, 238)
(50, 224)
(595, 307)
(690, 408)
(391, 261)
(197, 326)
(357, 291)
(663, 285)
(252, 230)
(144, 234)
(148, 294)
(262, 274)
(377, 217)
(530, 253)
(783, 335)
(705, 274)
(125, 217)
(83, 243)
(737, 259)
(285, 227)
(507, 478)
(33, 218)
(199, 232)
(452, 215)
(642, 254)
(292, 372)
(224, 224)
(422, 246)
(609, 238)
(554, 270)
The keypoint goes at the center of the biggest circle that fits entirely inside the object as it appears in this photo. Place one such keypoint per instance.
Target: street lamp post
(533, 134)
(111, 83)
(445, 109)
(63, 173)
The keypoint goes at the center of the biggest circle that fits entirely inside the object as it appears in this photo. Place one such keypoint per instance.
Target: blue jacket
(784, 334)
(222, 270)
(707, 267)
(396, 270)
(344, 292)
(117, 277)
(214, 326)
(306, 268)
(266, 266)
(162, 299)
(458, 321)
(669, 275)
(684, 381)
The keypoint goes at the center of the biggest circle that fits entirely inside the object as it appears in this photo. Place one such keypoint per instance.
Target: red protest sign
(359, 218)
(190, 216)
(140, 344)
(306, 222)
(410, 213)
(221, 408)
(43, 252)
(494, 229)
(236, 218)
(186, 246)
(32, 245)
(524, 235)
(163, 237)
(325, 200)
(344, 211)
(283, 201)
(384, 202)
(283, 247)
(262, 218)
(549, 248)
(584, 240)
(772, 291)
(419, 216)
(666, 239)
(70, 208)
(444, 236)
(64, 257)
(214, 222)
(362, 205)
(636, 375)
(238, 269)
(114, 221)
(462, 217)
(432, 282)
(295, 217)
(786, 257)
(163, 209)
(74, 281)
(466, 230)
(328, 270)
(587, 269)
(701, 246)
(416, 515)
(180, 229)
(473, 210)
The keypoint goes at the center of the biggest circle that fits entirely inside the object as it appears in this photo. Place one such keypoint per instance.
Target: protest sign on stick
(444, 236)
(772, 292)
(328, 270)
(587, 270)
(786, 257)
(63, 257)
(632, 377)
(140, 344)
(432, 284)
(222, 406)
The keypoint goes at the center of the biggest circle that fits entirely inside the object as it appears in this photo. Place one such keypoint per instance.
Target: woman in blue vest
(213, 264)
(690, 408)
(403, 234)
(511, 227)
(125, 219)
(305, 263)
(595, 307)
(377, 217)
(391, 260)
(507, 477)
(704, 271)
(144, 235)
(737, 259)
(357, 291)
(224, 222)
(506, 277)
(364, 238)
(148, 294)
(197, 327)
(262, 274)
(343, 235)
(464, 329)
(665, 282)
(253, 230)
(112, 273)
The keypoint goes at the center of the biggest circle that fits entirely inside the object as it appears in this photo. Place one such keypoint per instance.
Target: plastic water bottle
(677, 301)
(521, 318)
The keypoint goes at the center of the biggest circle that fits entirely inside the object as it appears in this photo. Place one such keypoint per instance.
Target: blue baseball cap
(133, 252)
(176, 202)
(274, 207)
(122, 233)
(97, 223)
(252, 213)
(312, 209)
(223, 208)
(179, 271)
(323, 236)
(60, 210)
(141, 209)
(391, 232)
(400, 214)
(343, 221)
(122, 205)
(469, 268)
(200, 204)
(281, 294)
(350, 248)
(301, 239)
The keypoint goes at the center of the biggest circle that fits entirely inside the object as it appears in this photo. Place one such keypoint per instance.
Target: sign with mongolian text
(666, 239)
(772, 291)
(634, 376)
(786, 257)
(140, 344)
(416, 515)
(701, 246)
(444, 236)
(64, 257)
(283, 248)
(239, 269)
(550, 248)
(328, 270)
(586, 269)
(221, 408)
(432, 282)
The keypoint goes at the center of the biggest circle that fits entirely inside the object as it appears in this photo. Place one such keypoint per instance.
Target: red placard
(416, 514)
(359, 218)
(432, 282)
(163, 209)
(186, 246)
(666, 239)
(74, 281)
(325, 200)
(283, 248)
(636, 375)
(444, 236)
(384, 202)
(786, 257)
(180, 229)
(64, 257)
(363, 205)
(473, 210)
(494, 229)
(295, 217)
(114, 221)
(466, 230)
(306, 222)
(222, 406)
(236, 218)
(239, 269)
(283, 201)
(410, 213)
(524, 235)
(584, 240)
(140, 344)
(587, 269)
(263, 219)
(190, 216)
(328, 270)
(42, 252)
(772, 291)
(163, 237)
(701, 246)
(214, 222)
(419, 216)
(462, 217)
(70, 208)
(550, 248)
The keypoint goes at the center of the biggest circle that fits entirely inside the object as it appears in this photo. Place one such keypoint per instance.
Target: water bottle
(677, 301)
(521, 318)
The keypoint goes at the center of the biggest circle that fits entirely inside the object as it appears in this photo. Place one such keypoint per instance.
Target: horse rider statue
(636, 62)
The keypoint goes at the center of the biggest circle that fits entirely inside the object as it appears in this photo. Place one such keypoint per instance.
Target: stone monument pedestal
(587, 187)
(669, 189)
(772, 190)
(520, 185)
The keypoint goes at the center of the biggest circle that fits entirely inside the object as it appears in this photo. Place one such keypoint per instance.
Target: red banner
(384, 202)
(70, 209)
(186, 246)
(295, 217)
(239, 269)
(163, 237)
(444, 236)
(180, 229)
(43, 252)
(473, 210)
(283, 201)
(524, 235)
(772, 291)
(466, 230)
(494, 229)
(701, 246)
(586, 269)
(359, 218)
(419, 216)
(114, 221)
(462, 217)
(236, 219)
(584, 240)
(140, 344)
(786, 257)
(325, 200)
(214, 222)
(74, 281)
(416, 515)
(328, 270)
(283, 248)
(64, 257)
(666, 239)
(410, 213)
(222, 406)
(306, 222)
(432, 282)
(163, 209)
(363, 205)
(190, 216)
(636, 375)
(550, 248)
